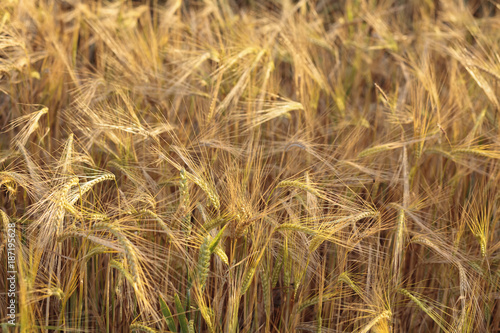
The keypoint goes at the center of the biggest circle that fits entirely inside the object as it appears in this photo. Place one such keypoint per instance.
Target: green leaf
(182, 314)
(216, 240)
(167, 315)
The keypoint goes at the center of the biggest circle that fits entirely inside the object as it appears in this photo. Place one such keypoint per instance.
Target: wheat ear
(85, 187)
(384, 315)
(141, 328)
(127, 246)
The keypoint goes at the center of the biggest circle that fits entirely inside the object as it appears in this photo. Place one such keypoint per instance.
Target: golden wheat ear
(30, 125)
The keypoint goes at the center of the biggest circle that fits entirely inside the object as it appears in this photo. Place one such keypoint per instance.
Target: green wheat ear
(247, 279)
(141, 328)
(203, 262)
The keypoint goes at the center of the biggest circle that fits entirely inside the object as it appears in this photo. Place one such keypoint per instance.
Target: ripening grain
(250, 166)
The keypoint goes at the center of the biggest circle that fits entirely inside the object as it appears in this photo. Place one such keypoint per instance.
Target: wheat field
(250, 166)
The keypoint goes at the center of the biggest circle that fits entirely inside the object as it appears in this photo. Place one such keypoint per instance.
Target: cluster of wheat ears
(251, 166)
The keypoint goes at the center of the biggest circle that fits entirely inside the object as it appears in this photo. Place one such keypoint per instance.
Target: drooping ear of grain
(85, 187)
(383, 316)
(130, 253)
